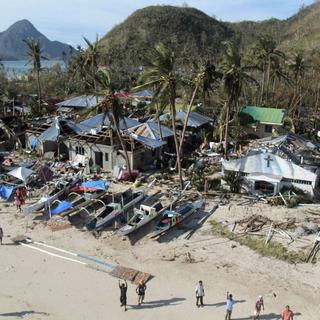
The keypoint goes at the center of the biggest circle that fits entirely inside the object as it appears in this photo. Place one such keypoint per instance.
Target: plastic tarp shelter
(6, 191)
(21, 173)
(63, 206)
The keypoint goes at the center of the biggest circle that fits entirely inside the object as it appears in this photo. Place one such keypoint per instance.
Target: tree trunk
(227, 130)
(187, 117)
(268, 80)
(123, 145)
(262, 85)
(39, 90)
(173, 117)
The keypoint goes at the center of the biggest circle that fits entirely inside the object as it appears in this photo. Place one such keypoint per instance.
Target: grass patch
(273, 249)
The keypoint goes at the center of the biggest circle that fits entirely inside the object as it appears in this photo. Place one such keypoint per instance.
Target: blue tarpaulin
(95, 185)
(6, 191)
(63, 206)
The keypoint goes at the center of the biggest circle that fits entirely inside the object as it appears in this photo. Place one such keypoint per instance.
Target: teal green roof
(265, 115)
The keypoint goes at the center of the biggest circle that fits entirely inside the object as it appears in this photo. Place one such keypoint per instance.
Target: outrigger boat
(46, 202)
(172, 218)
(127, 200)
(142, 216)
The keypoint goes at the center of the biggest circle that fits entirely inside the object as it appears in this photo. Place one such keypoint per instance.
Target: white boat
(141, 217)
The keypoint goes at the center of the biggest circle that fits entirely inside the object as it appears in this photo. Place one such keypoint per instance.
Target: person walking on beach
(123, 294)
(257, 309)
(287, 314)
(199, 294)
(229, 306)
(141, 291)
(1, 235)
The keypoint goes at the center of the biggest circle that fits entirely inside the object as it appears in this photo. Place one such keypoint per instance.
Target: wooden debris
(130, 274)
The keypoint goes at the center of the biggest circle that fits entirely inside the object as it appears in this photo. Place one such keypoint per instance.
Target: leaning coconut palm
(204, 81)
(235, 74)
(111, 105)
(160, 73)
(35, 56)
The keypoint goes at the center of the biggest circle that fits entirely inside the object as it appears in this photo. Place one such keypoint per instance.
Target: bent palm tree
(160, 74)
(112, 104)
(34, 53)
(204, 80)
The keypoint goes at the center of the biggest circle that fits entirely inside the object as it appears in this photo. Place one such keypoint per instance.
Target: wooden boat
(88, 199)
(45, 202)
(172, 218)
(142, 216)
(75, 199)
(127, 200)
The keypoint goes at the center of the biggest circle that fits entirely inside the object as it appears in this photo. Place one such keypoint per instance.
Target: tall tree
(235, 74)
(265, 53)
(112, 105)
(34, 53)
(160, 73)
(204, 81)
(91, 56)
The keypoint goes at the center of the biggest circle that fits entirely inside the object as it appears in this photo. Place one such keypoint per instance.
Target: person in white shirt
(229, 306)
(199, 294)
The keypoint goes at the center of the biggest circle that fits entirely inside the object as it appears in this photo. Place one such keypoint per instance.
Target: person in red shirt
(287, 314)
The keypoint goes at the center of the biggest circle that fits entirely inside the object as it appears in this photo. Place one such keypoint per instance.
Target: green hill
(187, 31)
(301, 31)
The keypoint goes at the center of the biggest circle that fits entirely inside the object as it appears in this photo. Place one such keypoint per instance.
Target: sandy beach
(35, 285)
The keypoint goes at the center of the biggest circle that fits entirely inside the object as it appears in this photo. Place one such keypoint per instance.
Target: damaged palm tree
(161, 74)
(112, 106)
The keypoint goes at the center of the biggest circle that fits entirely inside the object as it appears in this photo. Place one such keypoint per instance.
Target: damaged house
(94, 141)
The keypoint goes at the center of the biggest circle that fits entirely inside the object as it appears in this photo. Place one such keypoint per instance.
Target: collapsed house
(261, 122)
(94, 141)
(269, 173)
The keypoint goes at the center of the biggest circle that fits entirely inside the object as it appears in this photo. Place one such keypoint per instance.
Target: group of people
(287, 314)
(140, 290)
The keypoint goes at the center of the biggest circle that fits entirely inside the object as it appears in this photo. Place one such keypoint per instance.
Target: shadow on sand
(270, 316)
(22, 314)
(158, 303)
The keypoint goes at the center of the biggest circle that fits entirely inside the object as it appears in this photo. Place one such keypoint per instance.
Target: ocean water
(21, 67)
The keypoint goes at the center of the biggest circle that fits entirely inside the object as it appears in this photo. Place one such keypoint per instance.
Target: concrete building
(262, 122)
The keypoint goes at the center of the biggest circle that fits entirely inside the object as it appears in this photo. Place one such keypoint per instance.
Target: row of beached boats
(99, 208)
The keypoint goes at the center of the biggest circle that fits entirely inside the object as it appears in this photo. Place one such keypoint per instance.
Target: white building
(269, 173)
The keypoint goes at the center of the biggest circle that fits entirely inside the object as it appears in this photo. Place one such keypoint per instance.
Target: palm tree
(91, 56)
(35, 54)
(112, 105)
(160, 73)
(297, 66)
(203, 82)
(235, 74)
(266, 52)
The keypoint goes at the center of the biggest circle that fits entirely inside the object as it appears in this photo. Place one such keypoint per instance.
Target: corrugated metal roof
(265, 115)
(101, 120)
(151, 143)
(80, 102)
(150, 129)
(195, 120)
